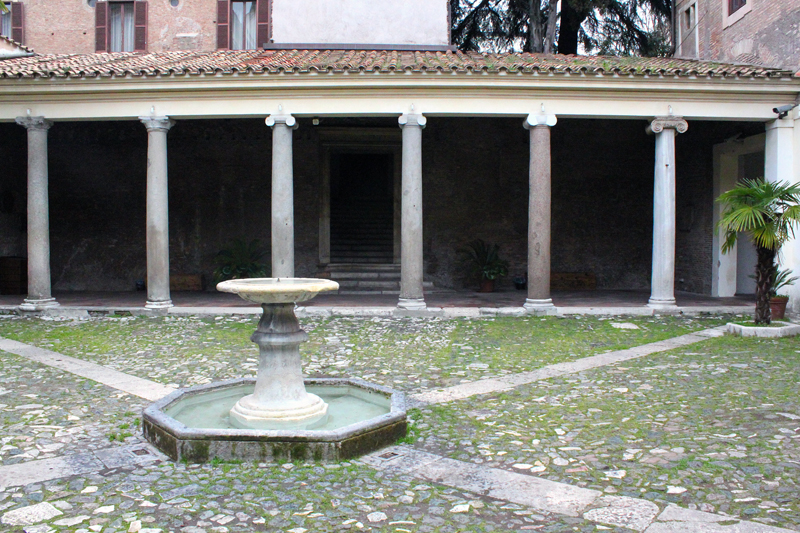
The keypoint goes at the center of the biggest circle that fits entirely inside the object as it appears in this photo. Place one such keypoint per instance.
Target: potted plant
(767, 212)
(777, 302)
(484, 262)
(240, 260)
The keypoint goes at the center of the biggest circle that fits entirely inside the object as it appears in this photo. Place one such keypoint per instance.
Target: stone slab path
(485, 386)
(531, 491)
(143, 388)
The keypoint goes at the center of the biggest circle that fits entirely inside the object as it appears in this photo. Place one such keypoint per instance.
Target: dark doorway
(362, 208)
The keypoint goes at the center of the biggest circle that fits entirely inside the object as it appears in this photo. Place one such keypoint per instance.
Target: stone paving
(665, 439)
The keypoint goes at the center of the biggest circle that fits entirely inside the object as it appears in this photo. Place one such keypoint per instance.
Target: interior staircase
(362, 231)
(367, 278)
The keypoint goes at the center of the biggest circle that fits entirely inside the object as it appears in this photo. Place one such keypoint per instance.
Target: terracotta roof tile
(383, 61)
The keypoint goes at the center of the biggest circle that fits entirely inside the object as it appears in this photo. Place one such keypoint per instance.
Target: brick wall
(768, 34)
(67, 26)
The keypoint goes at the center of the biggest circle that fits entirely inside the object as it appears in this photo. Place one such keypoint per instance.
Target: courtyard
(578, 423)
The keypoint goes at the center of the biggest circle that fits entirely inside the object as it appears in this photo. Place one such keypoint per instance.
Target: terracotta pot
(777, 307)
(487, 285)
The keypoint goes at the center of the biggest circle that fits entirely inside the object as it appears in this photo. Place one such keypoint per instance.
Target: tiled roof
(310, 61)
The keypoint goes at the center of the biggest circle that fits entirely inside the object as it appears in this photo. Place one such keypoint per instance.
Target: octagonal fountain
(279, 415)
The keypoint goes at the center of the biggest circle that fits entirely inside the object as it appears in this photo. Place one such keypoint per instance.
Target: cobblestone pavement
(692, 399)
(714, 427)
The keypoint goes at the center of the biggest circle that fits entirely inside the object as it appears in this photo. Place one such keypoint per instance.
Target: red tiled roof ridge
(18, 45)
(125, 64)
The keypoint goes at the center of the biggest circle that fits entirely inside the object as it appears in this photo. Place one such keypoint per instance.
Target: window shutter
(140, 26)
(223, 24)
(17, 22)
(101, 27)
(263, 23)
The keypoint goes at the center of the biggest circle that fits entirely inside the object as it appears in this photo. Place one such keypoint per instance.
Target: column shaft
(411, 257)
(39, 289)
(663, 273)
(158, 293)
(539, 215)
(282, 195)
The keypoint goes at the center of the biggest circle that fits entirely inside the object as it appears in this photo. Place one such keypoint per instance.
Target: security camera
(783, 110)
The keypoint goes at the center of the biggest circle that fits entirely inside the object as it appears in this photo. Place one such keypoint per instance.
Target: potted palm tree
(484, 262)
(767, 212)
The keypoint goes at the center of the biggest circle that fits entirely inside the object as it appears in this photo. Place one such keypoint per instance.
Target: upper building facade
(87, 26)
(764, 32)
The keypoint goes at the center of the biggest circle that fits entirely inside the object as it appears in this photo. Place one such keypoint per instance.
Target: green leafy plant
(240, 260)
(782, 278)
(767, 212)
(483, 260)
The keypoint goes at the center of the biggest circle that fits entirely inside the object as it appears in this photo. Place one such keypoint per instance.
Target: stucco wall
(475, 186)
(361, 21)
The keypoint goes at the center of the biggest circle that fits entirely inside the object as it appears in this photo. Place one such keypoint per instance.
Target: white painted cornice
(370, 94)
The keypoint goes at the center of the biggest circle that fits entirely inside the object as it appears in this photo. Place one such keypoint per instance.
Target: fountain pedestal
(280, 398)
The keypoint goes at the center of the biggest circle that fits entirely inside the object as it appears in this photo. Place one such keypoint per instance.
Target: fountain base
(249, 413)
(193, 425)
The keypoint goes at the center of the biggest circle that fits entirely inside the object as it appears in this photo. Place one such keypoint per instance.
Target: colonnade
(411, 291)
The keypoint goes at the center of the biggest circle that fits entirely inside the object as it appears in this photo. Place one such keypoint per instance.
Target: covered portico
(415, 90)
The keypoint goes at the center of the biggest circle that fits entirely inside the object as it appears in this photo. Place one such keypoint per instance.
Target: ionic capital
(157, 123)
(287, 120)
(34, 123)
(659, 124)
(539, 120)
(408, 119)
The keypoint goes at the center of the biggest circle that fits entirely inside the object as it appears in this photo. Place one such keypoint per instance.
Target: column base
(30, 305)
(662, 303)
(163, 304)
(412, 304)
(543, 306)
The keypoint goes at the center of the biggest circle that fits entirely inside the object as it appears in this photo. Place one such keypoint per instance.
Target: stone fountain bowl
(277, 290)
(199, 445)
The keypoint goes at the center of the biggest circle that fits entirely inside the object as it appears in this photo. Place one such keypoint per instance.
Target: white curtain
(120, 27)
(243, 26)
(114, 27)
(5, 24)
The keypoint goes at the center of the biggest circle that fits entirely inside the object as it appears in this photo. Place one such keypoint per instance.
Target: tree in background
(614, 27)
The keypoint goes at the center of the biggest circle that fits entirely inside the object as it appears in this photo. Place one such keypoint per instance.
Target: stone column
(539, 178)
(39, 293)
(411, 266)
(158, 296)
(282, 195)
(662, 289)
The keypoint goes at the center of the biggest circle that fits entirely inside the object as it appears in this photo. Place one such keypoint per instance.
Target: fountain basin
(170, 424)
(277, 290)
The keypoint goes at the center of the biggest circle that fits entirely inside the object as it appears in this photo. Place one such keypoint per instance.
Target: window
(11, 22)
(242, 24)
(121, 26)
(735, 5)
(734, 10)
(5, 24)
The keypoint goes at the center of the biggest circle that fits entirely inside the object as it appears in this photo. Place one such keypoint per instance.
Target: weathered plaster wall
(361, 21)
(475, 186)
